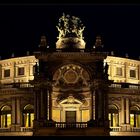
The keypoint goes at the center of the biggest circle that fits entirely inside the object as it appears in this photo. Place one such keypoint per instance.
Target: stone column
(128, 115)
(38, 104)
(13, 114)
(127, 111)
(45, 104)
(50, 106)
(18, 114)
(42, 108)
(18, 111)
(91, 117)
(96, 105)
(13, 111)
(123, 114)
(122, 111)
(35, 106)
(99, 107)
(120, 118)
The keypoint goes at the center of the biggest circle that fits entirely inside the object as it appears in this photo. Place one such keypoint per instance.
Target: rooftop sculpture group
(70, 26)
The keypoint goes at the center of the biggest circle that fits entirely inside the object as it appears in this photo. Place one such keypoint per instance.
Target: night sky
(22, 25)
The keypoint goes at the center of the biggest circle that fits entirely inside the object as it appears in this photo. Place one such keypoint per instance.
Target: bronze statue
(70, 27)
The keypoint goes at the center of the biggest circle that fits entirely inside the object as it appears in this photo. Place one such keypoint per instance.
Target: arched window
(28, 116)
(113, 115)
(135, 116)
(5, 116)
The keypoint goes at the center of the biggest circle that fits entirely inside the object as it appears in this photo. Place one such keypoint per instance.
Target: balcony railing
(115, 129)
(71, 125)
(6, 129)
(125, 85)
(135, 129)
(16, 85)
(26, 129)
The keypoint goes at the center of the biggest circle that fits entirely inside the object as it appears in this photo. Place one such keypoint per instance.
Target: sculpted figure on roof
(70, 26)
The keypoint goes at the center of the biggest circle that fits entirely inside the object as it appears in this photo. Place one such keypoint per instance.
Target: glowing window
(28, 116)
(5, 116)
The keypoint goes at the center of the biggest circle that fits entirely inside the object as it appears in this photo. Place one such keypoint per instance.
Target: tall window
(135, 116)
(119, 71)
(7, 73)
(28, 116)
(113, 116)
(133, 73)
(5, 116)
(21, 71)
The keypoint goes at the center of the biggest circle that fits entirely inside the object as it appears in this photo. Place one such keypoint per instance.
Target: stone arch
(28, 115)
(71, 63)
(113, 115)
(114, 106)
(71, 74)
(5, 116)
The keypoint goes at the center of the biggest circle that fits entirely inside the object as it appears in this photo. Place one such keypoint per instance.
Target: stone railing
(16, 85)
(71, 125)
(135, 129)
(116, 129)
(125, 85)
(26, 129)
(5, 129)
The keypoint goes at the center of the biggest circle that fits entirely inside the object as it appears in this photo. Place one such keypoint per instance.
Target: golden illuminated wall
(126, 66)
(29, 61)
(13, 64)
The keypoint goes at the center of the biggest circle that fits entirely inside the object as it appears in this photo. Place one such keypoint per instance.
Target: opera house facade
(69, 90)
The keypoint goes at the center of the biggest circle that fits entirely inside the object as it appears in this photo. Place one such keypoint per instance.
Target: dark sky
(21, 26)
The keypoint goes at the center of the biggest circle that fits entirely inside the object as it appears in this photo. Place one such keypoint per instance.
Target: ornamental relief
(134, 99)
(71, 75)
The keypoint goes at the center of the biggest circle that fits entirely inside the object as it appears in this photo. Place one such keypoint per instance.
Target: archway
(135, 116)
(113, 116)
(28, 116)
(5, 116)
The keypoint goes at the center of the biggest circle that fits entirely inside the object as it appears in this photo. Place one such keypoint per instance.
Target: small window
(132, 73)
(21, 71)
(7, 73)
(119, 71)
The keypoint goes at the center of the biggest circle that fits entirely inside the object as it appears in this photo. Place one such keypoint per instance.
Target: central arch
(70, 94)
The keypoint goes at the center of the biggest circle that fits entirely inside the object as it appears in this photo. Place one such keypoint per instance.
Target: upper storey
(123, 70)
(70, 33)
(21, 69)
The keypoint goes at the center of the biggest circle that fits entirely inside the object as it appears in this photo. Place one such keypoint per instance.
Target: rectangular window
(21, 71)
(132, 73)
(119, 71)
(7, 73)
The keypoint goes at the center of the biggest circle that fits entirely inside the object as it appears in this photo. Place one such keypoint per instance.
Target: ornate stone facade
(70, 91)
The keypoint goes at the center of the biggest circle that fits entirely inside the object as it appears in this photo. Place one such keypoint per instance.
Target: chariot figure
(70, 27)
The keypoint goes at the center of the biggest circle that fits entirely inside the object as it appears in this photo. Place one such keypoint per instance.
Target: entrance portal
(70, 116)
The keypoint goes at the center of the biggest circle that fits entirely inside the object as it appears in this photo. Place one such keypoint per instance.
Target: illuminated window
(28, 116)
(113, 116)
(21, 71)
(135, 116)
(5, 116)
(7, 73)
(119, 71)
(132, 73)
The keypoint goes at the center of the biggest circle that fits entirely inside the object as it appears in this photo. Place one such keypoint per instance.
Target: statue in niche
(70, 27)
